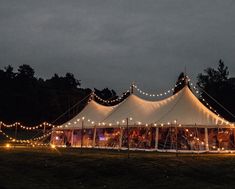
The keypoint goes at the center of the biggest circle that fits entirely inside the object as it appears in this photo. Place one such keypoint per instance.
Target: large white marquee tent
(180, 122)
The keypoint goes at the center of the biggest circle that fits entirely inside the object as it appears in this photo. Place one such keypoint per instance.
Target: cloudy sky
(109, 43)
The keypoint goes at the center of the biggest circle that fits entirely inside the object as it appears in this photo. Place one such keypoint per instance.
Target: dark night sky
(109, 43)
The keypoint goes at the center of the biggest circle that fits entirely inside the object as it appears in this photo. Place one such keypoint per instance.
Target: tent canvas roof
(93, 112)
(183, 107)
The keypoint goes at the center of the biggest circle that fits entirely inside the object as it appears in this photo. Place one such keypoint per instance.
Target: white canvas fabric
(92, 113)
(182, 108)
(185, 109)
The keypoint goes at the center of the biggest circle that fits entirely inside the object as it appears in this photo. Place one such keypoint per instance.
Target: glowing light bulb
(7, 145)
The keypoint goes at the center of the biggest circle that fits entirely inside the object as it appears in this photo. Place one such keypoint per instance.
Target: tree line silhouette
(30, 100)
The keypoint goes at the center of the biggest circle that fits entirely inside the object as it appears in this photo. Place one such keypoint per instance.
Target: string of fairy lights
(34, 141)
(167, 92)
(121, 123)
(164, 93)
(17, 124)
(204, 101)
(112, 101)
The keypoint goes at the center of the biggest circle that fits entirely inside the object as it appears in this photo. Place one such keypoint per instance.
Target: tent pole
(206, 140)
(166, 138)
(156, 138)
(82, 135)
(172, 147)
(120, 138)
(72, 137)
(176, 139)
(16, 130)
(63, 138)
(233, 137)
(52, 138)
(128, 138)
(132, 88)
(44, 129)
(94, 137)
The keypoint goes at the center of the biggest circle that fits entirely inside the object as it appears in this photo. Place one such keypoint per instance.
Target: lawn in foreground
(69, 168)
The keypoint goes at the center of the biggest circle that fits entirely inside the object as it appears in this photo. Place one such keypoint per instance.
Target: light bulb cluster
(167, 92)
(111, 101)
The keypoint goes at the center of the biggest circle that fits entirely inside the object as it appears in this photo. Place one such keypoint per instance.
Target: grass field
(69, 168)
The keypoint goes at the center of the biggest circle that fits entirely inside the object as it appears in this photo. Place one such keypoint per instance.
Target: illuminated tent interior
(177, 123)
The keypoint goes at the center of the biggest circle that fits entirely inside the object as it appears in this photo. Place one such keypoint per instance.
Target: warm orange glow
(7, 145)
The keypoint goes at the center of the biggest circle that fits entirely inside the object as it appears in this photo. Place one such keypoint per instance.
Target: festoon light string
(164, 93)
(16, 124)
(32, 141)
(111, 101)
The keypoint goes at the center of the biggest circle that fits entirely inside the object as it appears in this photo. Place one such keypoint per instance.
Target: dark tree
(214, 78)
(9, 72)
(71, 81)
(29, 100)
(25, 71)
(218, 90)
